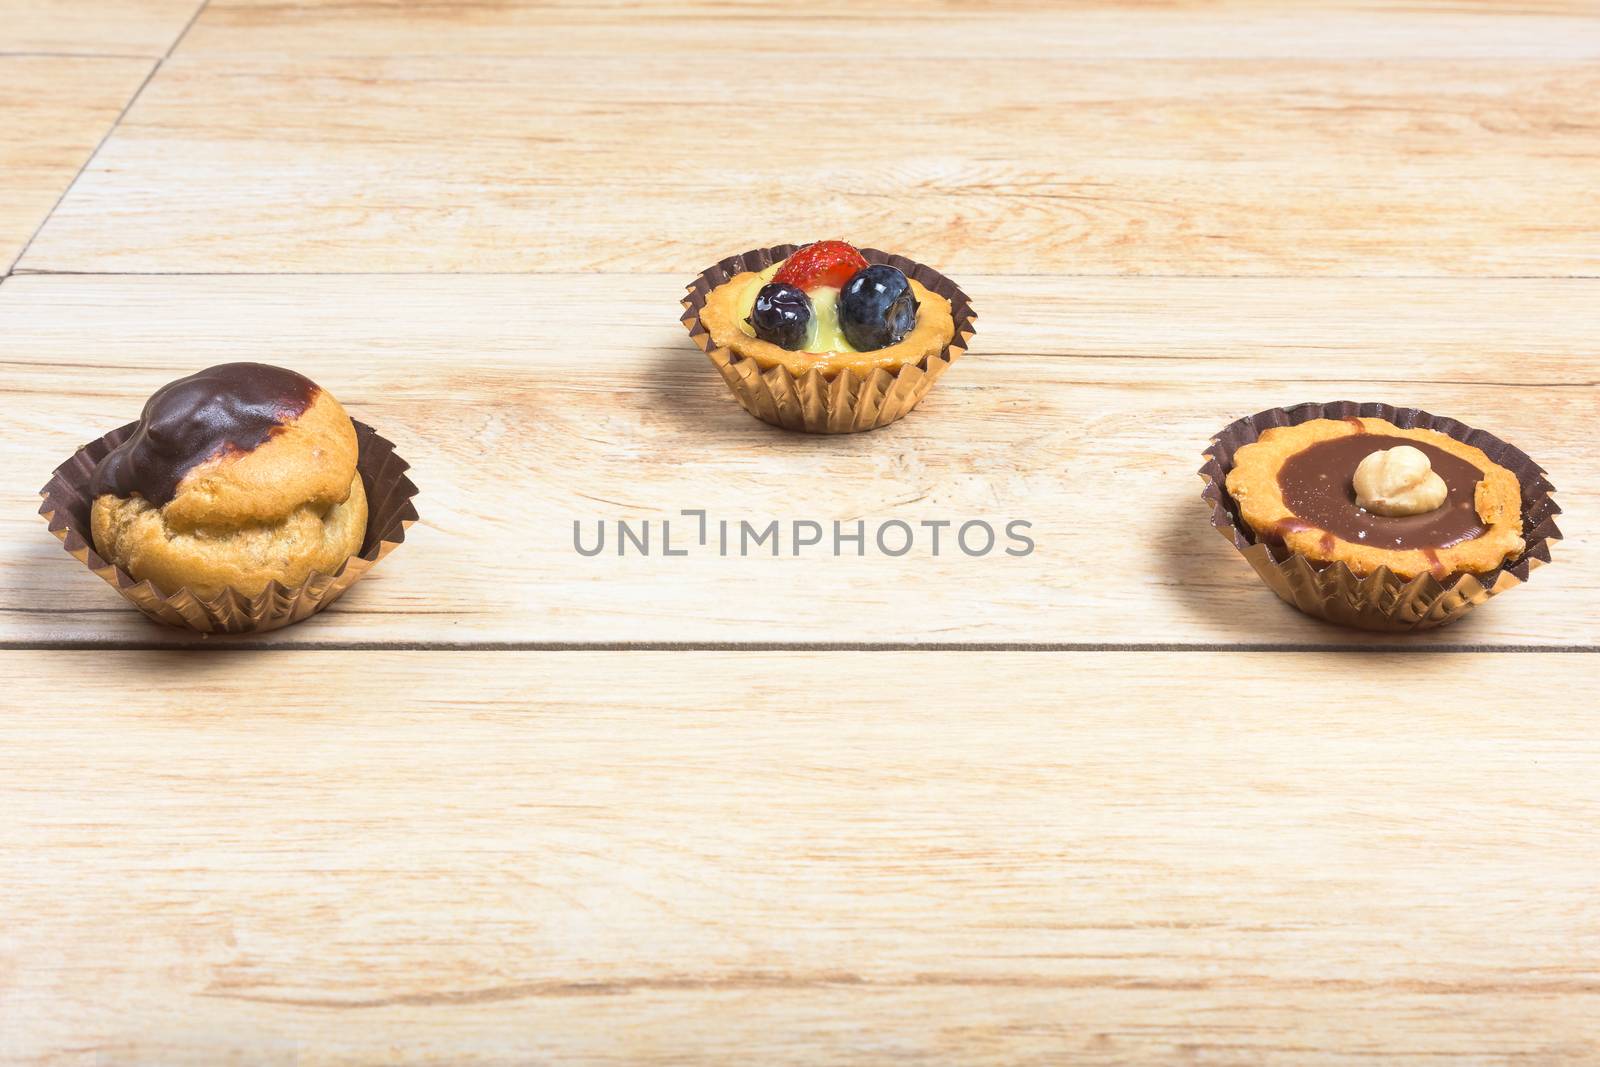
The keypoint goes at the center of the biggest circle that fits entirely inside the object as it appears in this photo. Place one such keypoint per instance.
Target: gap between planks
(34, 272)
(155, 68)
(224, 643)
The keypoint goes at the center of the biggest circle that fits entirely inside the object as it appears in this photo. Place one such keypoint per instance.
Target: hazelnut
(1399, 481)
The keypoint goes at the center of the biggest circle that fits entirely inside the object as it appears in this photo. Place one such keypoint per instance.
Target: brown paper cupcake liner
(845, 402)
(389, 512)
(1379, 601)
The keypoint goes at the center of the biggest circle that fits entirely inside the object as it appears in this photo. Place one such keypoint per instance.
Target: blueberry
(877, 307)
(782, 315)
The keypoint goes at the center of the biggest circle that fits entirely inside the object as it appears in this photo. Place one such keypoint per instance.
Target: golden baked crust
(292, 505)
(134, 534)
(308, 461)
(1253, 483)
(934, 330)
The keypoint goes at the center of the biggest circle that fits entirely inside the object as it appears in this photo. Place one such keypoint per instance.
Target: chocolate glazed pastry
(1495, 525)
(243, 500)
(237, 477)
(230, 408)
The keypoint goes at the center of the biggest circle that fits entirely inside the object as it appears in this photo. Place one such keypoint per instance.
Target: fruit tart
(826, 337)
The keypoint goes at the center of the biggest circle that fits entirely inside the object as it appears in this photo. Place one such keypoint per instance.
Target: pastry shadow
(1217, 588)
(683, 389)
(226, 660)
(683, 392)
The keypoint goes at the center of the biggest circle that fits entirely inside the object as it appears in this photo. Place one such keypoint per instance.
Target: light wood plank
(526, 403)
(1026, 166)
(56, 110)
(94, 27)
(873, 29)
(505, 858)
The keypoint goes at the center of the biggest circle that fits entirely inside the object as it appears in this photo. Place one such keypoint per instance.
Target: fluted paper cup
(1379, 601)
(67, 503)
(841, 402)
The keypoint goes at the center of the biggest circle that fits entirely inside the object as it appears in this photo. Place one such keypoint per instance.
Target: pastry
(234, 478)
(827, 337)
(1367, 493)
(1378, 517)
(825, 308)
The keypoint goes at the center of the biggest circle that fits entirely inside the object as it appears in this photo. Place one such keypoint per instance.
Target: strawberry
(821, 263)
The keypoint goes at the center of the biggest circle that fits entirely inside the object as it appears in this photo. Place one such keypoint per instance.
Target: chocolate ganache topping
(233, 407)
(1317, 488)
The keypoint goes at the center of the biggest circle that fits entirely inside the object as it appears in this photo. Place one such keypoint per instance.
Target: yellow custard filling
(823, 335)
(727, 307)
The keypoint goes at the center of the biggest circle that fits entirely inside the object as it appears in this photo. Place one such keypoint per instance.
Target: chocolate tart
(827, 392)
(68, 501)
(1301, 531)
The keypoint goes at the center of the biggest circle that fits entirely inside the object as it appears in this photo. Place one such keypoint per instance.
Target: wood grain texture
(601, 858)
(338, 164)
(869, 30)
(56, 110)
(1168, 214)
(93, 27)
(526, 403)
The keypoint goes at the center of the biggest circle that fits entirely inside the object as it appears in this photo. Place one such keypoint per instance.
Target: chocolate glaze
(1317, 486)
(233, 407)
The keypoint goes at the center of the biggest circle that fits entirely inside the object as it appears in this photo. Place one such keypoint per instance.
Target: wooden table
(1109, 802)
